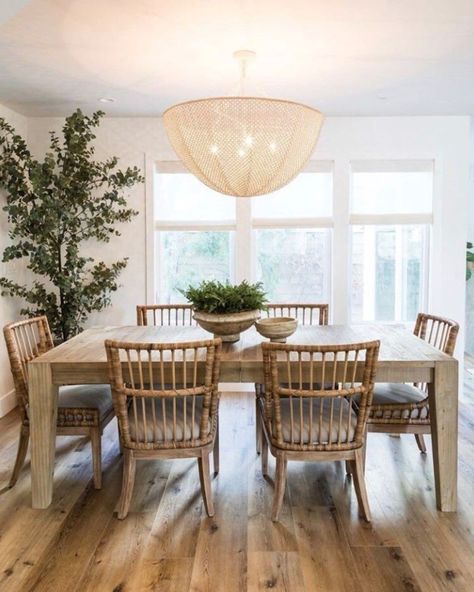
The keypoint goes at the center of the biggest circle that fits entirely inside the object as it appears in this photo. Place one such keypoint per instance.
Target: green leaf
(216, 297)
(53, 206)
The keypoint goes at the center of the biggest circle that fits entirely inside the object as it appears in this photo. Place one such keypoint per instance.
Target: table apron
(96, 373)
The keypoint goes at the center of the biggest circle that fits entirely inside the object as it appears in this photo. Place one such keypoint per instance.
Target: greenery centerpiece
(226, 309)
(54, 206)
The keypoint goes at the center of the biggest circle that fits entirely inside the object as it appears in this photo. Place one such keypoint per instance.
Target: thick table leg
(443, 397)
(43, 410)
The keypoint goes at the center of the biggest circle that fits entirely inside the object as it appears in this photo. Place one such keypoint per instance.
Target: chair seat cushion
(161, 429)
(402, 395)
(317, 437)
(97, 397)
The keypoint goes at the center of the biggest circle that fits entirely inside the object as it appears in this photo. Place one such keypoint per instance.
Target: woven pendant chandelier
(243, 145)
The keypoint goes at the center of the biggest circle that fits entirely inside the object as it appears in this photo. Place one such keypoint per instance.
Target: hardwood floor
(168, 544)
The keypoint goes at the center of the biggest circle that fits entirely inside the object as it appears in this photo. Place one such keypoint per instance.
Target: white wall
(8, 307)
(470, 237)
(445, 140)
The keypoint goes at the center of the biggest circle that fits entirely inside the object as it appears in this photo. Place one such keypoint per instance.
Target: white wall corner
(8, 402)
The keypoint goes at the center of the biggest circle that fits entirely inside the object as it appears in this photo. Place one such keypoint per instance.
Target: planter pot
(227, 326)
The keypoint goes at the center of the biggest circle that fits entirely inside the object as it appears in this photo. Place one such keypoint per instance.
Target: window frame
(398, 220)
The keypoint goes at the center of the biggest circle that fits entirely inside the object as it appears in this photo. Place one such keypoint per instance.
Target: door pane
(388, 272)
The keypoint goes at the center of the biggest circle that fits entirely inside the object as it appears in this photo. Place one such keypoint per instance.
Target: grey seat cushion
(87, 396)
(162, 430)
(387, 393)
(324, 437)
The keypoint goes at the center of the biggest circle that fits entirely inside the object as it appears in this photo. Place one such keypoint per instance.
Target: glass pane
(189, 257)
(309, 195)
(388, 272)
(392, 192)
(181, 197)
(385, 275)
(294, 264)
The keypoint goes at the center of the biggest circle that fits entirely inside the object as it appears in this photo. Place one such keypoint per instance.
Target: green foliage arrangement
(469, 259)
(53, 207)
(219, 298)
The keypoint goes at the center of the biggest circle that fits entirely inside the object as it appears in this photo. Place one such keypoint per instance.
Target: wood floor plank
(168, 544)
(322, 561)
(279, 571)
(384, 569)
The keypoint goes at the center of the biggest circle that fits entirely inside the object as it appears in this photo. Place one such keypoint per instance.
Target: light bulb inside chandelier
(243, 145)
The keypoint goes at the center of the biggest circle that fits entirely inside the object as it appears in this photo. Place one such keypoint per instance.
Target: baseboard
(7, 402)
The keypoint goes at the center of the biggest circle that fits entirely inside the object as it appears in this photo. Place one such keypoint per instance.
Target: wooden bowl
(276, 328)
(226, 326)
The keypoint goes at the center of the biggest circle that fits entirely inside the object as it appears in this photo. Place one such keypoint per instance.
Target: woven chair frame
(144, 374)
(165, 314)
(439, 332)
(315, 366)
(307, 314)
(25, 341)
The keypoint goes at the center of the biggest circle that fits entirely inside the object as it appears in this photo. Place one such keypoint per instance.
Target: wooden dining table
(403, 358)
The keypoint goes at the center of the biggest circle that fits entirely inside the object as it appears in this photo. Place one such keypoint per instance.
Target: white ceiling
(345, 57)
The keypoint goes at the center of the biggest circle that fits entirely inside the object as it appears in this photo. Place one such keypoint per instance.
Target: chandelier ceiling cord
(243, 145)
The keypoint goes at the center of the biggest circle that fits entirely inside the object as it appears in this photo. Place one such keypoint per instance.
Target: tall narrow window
(390, 225)
(292, 237)
(194, 238)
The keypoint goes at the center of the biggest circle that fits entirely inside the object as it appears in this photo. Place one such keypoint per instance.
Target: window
(282, 239)
(188, 257)
(285, 239)
(390, 226)
(194, 240)
(294, 264)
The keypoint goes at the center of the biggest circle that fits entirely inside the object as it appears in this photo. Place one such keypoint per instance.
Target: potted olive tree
(225, 309)
(54, 206)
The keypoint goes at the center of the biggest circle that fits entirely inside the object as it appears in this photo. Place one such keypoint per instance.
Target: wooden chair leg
(119, 438)
(280, 480)
(348, 467)
(204, 477)
(215, 451)
(258, 426)
(96, 445)
(128, 480)
(20, 455)
(359, 484)
(263, 451)
(364, 448)
(420, 440)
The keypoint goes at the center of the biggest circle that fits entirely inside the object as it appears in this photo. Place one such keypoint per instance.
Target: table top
(397, 345)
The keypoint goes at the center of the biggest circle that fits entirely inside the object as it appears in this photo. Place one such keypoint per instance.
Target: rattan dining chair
(166, 400)
(307, 314)
(399, 408)
(82, 409)
(165, 314)
(309, 411)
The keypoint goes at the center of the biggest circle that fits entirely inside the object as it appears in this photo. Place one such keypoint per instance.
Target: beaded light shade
(243, 145)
